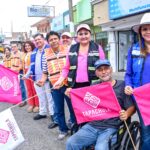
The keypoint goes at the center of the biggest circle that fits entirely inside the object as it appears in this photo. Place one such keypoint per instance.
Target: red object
(9, 86)
(142, 97)
(31, 92)
(97, 102)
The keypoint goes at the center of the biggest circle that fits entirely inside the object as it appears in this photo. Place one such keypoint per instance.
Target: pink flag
(95, 102)
(142, 97)
(9, 86)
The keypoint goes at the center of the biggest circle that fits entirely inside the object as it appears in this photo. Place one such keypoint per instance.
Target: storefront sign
(121, 8)
(41, 11)
(101, 35)
(57, 23)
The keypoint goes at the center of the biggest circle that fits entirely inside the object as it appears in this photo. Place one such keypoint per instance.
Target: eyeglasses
(84, 33)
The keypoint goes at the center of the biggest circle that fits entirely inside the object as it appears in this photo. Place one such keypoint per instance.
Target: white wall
(113, 49)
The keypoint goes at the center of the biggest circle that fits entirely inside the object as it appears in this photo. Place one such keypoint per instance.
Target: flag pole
(130, 135)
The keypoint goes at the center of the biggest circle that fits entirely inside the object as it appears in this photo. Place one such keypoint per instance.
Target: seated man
(98, 132)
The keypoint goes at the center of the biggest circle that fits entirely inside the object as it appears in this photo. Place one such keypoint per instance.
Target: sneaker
(30, 109)
(62, 135)
(52, 125)
(36, 109)
(38, 117)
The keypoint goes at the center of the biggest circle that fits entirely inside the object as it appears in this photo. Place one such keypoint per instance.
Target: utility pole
(70, 10)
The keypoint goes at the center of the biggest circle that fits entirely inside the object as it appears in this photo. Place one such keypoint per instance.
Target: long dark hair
(30, 43)
(143, 48)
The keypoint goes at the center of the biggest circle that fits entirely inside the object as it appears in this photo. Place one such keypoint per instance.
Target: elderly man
(66, 39)
(99, 131)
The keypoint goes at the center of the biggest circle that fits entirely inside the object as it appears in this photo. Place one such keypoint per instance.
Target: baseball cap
(66, 34)
(83, 26)
(101, 62)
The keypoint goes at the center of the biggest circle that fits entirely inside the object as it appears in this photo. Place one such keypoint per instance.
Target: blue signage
(57, 23)
(121, 8)
(41, 11)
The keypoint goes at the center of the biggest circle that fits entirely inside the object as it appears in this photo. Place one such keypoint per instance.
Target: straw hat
(145, 20)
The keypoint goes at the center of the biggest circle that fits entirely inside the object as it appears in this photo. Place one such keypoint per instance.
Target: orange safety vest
(16, 61)
(7, 62)
(55, 63)
(26, 61)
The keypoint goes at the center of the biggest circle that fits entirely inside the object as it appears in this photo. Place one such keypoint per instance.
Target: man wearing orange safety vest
(16, 65)
(7, 57)
(53, 61)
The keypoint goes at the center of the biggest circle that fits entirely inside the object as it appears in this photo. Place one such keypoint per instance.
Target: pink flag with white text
(142, 97)
(9, 86)
(96, 102)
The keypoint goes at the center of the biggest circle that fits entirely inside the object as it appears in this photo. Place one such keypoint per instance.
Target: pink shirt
(82, 73)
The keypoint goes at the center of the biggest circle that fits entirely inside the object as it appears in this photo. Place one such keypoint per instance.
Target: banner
(142, 97)
(95, 102)
(10, 134)
(9, 86)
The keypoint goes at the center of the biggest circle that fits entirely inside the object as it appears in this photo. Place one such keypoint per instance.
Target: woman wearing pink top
(79, 69)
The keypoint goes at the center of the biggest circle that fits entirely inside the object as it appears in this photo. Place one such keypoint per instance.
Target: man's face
(104, 73)
(14, 47)
(54, 41)
(66, 40)
(39, 41)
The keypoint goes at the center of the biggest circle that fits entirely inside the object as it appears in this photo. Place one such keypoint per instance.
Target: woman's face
(7, 52)
(83, 36)
(28, 47)
(145, 32)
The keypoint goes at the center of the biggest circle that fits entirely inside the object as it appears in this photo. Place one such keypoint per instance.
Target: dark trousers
(59, 97)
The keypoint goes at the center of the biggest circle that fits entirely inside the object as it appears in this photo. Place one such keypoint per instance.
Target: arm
(64, 74)
(128, 74)
(101, 53)
(42, 81)
(125, 114)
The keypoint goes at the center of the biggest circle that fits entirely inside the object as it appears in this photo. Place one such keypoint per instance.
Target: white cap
(66, 34)
(145, 20)
(83, 26)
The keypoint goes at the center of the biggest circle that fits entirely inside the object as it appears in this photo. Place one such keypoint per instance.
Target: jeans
(145, 132)
(59, 96)
(45, 100)
(89, 135)
(23, 90)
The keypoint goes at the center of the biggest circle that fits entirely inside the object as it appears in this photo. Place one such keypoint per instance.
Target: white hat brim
(137, 27)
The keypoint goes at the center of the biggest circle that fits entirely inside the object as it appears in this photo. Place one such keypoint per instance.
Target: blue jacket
(135, 63)
(33, 57)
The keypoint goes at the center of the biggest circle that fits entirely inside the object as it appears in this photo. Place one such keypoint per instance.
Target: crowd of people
(50, 67)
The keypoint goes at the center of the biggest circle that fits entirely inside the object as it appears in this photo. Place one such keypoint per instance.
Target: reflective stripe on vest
(55, 63)
(16, 61)
(7, 62)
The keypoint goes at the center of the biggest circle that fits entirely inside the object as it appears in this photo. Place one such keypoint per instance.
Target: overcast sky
(15, 12)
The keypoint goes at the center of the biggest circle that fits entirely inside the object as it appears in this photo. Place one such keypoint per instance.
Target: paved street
(37, 135)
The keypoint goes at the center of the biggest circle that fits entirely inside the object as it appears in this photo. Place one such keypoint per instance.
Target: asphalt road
(37, 135)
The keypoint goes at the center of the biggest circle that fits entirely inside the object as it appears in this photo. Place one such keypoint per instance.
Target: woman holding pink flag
(79, 69)
(137, 73)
